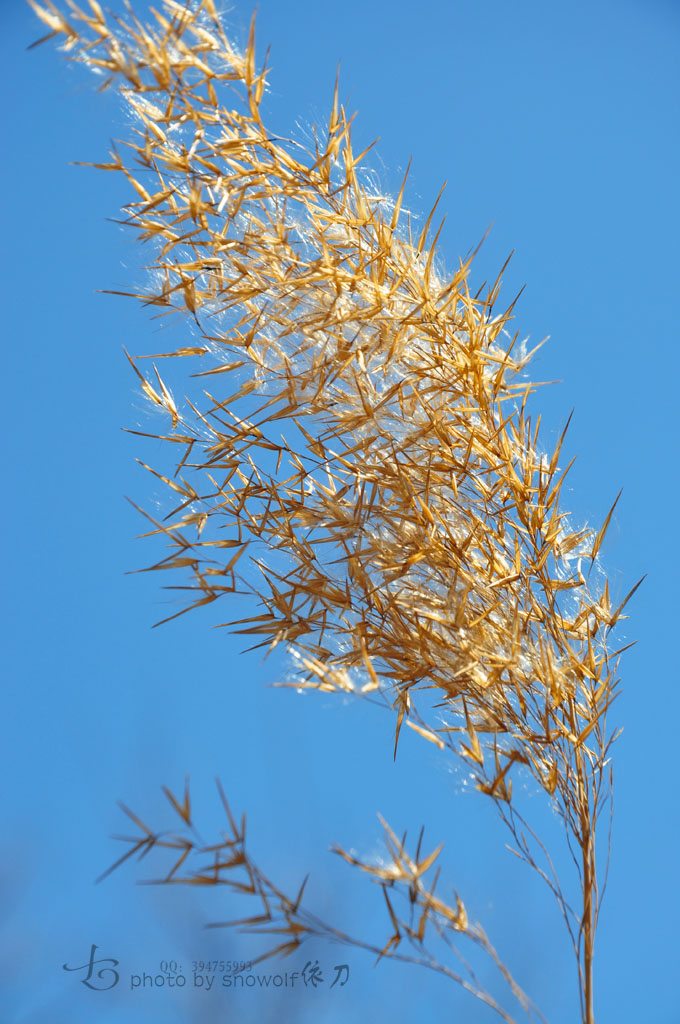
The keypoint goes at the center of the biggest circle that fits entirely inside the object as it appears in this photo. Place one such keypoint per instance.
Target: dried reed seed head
(418, 533)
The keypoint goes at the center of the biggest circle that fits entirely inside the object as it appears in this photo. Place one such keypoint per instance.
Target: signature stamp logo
(106, 977)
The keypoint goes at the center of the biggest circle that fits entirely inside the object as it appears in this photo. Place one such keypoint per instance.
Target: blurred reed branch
(405, 536)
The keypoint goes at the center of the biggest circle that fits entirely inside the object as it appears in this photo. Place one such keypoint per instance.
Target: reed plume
(404, 540)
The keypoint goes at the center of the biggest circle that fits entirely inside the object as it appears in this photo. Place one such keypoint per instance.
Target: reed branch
(404, 539)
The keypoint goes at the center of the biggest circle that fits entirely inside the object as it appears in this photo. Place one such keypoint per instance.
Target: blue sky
(556, 122)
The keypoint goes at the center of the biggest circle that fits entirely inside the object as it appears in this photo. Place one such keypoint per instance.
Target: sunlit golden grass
(363, 451)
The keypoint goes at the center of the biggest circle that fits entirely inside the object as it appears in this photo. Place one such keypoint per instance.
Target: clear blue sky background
(558, 122)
